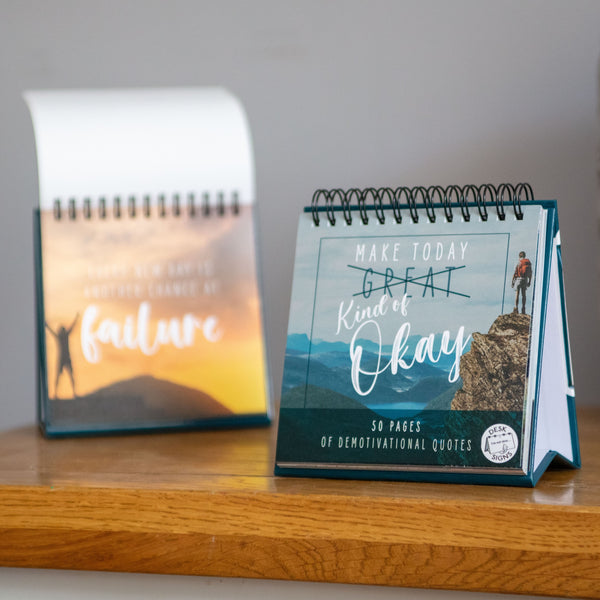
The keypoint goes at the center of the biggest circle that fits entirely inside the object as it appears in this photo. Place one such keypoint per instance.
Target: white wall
(19, 584)
(338, 94)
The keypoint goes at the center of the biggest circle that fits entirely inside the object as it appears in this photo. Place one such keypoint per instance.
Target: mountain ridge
(138, 399)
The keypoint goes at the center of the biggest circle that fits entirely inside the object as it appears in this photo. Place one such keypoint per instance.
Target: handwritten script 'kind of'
(134, 333)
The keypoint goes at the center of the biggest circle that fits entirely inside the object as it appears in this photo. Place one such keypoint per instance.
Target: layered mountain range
(317, 374)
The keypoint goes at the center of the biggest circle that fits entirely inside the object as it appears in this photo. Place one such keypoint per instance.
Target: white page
(136, 142)
(553, 425)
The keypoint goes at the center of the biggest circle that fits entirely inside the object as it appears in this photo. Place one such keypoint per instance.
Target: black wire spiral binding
(132, 207)
(417, 198)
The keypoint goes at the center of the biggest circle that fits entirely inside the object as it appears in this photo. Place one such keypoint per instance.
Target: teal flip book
(428, 338)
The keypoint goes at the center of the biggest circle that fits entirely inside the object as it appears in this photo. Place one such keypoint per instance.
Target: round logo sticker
(499, 443)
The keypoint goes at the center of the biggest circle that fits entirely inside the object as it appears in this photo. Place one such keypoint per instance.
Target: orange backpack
(524, 268)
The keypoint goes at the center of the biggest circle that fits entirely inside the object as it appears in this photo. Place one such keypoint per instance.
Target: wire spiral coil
(416, 199)
(162, 205)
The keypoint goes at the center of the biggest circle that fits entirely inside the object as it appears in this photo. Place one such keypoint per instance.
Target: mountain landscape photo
(317, 374)
(141, 401)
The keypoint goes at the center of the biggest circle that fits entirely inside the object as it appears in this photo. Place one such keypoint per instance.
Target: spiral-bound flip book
(427, 338)
(149, 311)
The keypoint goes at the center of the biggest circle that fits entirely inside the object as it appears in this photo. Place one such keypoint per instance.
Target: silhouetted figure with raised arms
(64, 354)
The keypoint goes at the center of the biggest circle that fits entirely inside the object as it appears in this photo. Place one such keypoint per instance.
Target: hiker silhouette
(521, 280)
(64, 354)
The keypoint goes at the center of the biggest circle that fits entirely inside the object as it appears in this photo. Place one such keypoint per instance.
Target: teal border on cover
(547, 257)
(480, 478)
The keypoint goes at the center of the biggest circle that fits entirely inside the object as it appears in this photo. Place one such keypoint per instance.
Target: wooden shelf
(206, 503)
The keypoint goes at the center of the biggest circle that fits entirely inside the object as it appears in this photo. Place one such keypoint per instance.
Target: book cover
(150, 321)
(413, 347)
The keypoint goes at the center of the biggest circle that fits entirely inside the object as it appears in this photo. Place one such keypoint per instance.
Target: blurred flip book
(149, 311)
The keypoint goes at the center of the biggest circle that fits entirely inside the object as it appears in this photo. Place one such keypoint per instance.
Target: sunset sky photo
(201, 266)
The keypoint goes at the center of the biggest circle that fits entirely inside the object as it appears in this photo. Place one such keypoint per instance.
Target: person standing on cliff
(521, 281)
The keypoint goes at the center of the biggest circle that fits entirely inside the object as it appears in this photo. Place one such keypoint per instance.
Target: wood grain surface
(207, 503)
